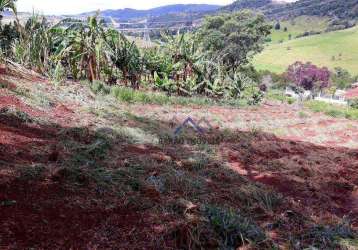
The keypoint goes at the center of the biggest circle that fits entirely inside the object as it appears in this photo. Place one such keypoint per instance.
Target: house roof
(352, 93)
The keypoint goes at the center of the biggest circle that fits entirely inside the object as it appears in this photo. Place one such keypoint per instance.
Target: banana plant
(164, 83)
(33, 48)
(81, 48)
(214, 88)
(238, 83)
(125, 56)
(191, 86)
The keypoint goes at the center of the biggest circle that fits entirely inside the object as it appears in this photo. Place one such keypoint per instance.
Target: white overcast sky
(79, 6)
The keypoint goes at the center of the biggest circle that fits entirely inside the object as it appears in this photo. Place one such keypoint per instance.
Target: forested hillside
(334, 8)
(347, 9)
(248, 4)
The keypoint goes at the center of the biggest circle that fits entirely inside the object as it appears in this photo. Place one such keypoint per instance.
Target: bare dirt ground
(86, 172)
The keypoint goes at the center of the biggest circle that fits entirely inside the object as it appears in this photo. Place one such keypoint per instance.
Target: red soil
(14, 102)
(319, 178)
(45, 214)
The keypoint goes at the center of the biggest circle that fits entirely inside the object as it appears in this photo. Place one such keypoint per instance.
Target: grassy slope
(298, 26)
(318, 49)
(84, 171)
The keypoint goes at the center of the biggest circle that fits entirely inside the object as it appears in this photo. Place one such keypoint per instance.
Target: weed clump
(99, 87)
(233, 228)
(330, 237)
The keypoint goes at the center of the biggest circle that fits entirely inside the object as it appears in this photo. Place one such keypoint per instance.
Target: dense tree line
(211, 61)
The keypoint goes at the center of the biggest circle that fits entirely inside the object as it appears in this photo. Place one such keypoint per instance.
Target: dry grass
(100, 175)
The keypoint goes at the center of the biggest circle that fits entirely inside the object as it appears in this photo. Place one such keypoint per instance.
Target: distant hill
(338, 9)
(342, 9)
(250, 4)
(127, 14)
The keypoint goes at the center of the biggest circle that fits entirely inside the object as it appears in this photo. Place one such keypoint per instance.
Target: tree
(308, 76)
(277, 26)
(8, 34)
(341, 78)
(233, 38)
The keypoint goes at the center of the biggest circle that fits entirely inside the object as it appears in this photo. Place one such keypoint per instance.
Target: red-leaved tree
(308, 76)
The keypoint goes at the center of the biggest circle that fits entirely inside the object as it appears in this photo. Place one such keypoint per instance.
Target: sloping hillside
(86, 171)
(299, 26)
(333, 49)
(347, 9)
(249, 4)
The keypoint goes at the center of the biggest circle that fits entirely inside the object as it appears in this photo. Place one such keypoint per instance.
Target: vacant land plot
(108, 175)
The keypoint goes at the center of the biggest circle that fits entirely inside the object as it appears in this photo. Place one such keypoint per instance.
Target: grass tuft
(330, 237)
(234, 229)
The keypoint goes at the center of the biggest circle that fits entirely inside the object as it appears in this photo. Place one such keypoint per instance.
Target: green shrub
(253, 95)
(291, 100)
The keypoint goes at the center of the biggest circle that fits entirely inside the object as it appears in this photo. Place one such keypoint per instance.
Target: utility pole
(146, 36)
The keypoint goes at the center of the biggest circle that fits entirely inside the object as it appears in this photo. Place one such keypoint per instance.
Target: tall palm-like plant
(183, 51)
(82, 48)
(125, 56)
(7, 4)
(33, 49)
